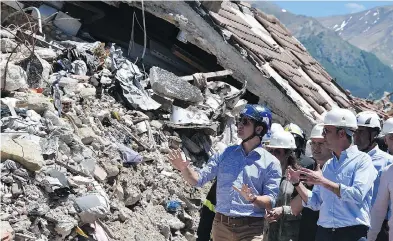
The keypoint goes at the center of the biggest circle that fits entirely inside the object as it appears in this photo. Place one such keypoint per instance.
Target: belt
(343, 229)
(234, 221)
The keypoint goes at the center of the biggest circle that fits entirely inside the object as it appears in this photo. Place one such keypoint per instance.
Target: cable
(144, 31)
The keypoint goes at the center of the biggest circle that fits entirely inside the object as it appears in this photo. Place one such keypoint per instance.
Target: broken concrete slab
(191, 115)
(134, 94)
(92, 207)
(87, 135)
(14, 79)
(132, 196)
(99, 173)
(22, 150)
(37, 102)
(168, 84)
(7, 45)
(67, 24)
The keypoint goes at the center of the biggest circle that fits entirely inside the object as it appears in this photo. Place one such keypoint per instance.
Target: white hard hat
(316, 131)
(294, 129)
(282, 139)
(276, 127)
(368, 119)
(308, 152)
(341, 118)
(387, 127)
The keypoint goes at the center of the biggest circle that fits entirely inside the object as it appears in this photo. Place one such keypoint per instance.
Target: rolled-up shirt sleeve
(314, 198)
(272, 182)
(209, 172)
(363, 180)
(378, 212)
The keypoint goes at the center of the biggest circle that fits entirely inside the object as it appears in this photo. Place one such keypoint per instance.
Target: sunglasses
(244, 121)
(275, 151)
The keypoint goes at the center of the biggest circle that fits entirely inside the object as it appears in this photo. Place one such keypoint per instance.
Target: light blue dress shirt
(260, 170)
(355, 173)
(380, 160)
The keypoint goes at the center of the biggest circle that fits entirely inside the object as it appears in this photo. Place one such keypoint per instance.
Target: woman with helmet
(300, 140)
(284, 226)
(248, 179)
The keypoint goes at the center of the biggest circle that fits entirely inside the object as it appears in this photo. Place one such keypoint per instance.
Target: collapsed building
(95, 94)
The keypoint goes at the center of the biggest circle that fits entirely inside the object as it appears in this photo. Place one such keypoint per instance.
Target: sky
(325, 8)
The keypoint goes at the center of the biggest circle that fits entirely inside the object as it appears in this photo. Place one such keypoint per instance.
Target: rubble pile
(85, 135)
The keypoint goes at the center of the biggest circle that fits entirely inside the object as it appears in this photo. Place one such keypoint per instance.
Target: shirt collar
(349, 152)
(240, 148)
(373, 151)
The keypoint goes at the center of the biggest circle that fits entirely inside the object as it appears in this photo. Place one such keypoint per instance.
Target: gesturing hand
(313, 177)
(293, 175)
(274, 214)
(246, 193)
(177, 160)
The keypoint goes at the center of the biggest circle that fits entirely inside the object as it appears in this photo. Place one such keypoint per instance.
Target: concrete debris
(8, 45)
(86, 146)
(22, 150)
(14, 78)
(168, 84)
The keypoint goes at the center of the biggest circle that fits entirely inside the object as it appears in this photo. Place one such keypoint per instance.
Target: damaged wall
(200, 33)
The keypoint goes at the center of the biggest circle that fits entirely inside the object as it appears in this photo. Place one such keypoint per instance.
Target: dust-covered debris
(85, 133)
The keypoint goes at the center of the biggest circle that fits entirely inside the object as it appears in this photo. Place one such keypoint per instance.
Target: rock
(79, 180)
(156, 124)
(32, 101)
(79, 67)
(97, 146)
(168, 84)
(92, 206)
(119, 192)
(16, 77)
(86, 92)
(190, 237)
(105, 80)
(75, 119)
(133, 195)
(46, 53)
(123, 214)
(175, 223)
(8, 45)
(87, 135)
(6, 231)
(16, 189)
(22, 224)
(7, 34)
(99, 173)
(26, 152)
(111, 170)
(32, 115)
(64, 225)
(141, 127)
(165, 230)
(7, 179)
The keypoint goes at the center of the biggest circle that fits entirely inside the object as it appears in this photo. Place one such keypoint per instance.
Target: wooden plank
(208, 75)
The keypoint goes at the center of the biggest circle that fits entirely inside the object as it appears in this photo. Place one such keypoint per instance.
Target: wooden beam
(209, 75)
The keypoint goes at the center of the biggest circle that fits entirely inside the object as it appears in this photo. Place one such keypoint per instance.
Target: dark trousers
(384, 233)
(205, 224)
(352, 233)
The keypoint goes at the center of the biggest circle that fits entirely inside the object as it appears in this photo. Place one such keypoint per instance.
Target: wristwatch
(296, 184)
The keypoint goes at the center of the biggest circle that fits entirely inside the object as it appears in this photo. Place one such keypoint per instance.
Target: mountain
(370, 30)
(355, 69)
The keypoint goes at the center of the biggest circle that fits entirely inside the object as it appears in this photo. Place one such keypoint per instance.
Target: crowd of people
(278, 186)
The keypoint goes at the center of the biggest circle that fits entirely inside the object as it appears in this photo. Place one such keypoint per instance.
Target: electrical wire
(144, 31)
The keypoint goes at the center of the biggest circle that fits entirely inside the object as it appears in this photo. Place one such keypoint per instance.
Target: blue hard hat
(258, 113)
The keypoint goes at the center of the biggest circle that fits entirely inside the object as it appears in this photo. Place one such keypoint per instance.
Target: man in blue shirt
(343, 190)
(248, 179)
(369, 127)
